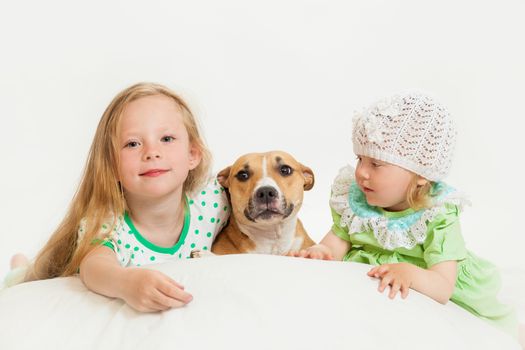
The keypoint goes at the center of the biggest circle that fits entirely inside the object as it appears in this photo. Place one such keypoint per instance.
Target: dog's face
(266, 187)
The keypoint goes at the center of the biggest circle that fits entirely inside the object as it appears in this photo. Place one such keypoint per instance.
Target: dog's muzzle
(266, 204)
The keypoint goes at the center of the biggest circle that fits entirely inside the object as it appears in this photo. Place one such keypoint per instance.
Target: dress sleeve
(121, 240)
(212, 202)
(341, 232)
(222, 208)
(103, 235)
(109, 235)
(339, 206)
(444, 240)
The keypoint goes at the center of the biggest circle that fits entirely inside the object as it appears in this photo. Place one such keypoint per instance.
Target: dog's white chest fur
(275, 239)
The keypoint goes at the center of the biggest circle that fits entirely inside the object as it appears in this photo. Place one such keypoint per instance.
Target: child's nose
(361, 172)
(151, 153)
(151, 156)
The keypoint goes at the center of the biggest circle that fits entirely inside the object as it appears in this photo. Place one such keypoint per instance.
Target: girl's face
(384, 185)
(155, 152)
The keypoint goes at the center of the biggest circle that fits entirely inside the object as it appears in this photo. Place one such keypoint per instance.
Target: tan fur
(231, 239)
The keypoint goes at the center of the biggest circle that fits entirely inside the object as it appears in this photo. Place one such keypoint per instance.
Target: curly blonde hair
(419, 196)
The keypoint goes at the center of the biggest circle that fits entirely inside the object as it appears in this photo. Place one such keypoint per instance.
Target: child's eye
(132, 144)
(168, 139)
(375, 165)
(358, 158)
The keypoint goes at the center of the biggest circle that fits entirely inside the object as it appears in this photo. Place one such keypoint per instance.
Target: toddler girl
(393, 210)
(144, 198)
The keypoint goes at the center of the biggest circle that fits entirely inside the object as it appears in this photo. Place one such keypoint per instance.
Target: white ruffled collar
(392, 230)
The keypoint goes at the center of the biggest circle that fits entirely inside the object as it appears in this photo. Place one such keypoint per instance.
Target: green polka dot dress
(206, 212)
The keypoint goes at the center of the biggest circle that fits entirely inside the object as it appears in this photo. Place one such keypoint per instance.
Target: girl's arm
(331, 247)
(144, 290)
(437, 282)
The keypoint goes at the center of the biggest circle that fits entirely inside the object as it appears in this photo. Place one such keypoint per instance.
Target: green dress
(424, 238)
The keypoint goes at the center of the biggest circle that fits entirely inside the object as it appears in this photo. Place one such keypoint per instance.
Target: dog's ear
(309, 178)
(224, 177)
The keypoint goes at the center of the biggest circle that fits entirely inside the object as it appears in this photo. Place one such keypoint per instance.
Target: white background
(261, 76)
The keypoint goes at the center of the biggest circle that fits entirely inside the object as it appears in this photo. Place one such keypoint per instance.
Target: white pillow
(244, 302)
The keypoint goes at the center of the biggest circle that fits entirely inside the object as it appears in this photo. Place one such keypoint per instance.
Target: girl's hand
(150, 291)
(317, 251)
(399, 276)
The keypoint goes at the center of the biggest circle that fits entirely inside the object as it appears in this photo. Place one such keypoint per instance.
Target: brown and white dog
(266, 193)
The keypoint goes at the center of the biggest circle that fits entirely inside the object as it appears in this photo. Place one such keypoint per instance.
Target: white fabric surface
(243, 302)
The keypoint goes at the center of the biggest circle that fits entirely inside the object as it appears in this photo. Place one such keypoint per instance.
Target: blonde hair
(99, 195)
(419, 196)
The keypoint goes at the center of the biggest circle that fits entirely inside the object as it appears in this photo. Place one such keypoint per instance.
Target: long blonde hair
(99, 195)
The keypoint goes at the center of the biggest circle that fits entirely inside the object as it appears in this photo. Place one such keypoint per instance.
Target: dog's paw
(196, 253)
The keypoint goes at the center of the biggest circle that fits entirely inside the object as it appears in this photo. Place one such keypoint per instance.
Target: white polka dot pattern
(208, 213)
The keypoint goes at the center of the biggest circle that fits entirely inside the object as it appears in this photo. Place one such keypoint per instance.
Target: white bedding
(243, 302)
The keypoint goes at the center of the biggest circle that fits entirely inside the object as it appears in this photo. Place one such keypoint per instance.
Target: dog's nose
(266, 194)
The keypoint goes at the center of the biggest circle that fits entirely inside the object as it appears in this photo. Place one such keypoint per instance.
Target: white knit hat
(410, 130)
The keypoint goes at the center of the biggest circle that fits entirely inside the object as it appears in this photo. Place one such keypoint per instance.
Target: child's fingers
(372, 271)
(148, 305)
(170, 281)
(308, 254)
(165, 302)
(314, 254)
(177, 284)
(304, 253)
(385, 281)
(295, 253)
(382, 270)
(328, 257)
(158, 306)
(396, 286)
(404, 291)
(171, 289)
(317, 255)
(378, 271)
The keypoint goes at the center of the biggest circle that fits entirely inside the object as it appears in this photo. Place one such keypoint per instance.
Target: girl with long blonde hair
(145, 197)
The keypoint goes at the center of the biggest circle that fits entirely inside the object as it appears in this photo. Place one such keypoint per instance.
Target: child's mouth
(154, 172)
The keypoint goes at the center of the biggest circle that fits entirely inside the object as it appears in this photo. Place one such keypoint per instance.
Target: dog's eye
(242, 175)
(286, 170)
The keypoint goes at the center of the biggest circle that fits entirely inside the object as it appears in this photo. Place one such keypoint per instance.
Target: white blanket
(244, 302)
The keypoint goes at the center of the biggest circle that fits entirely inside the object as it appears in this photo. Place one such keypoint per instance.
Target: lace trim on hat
(371, 117)
(406, 231)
